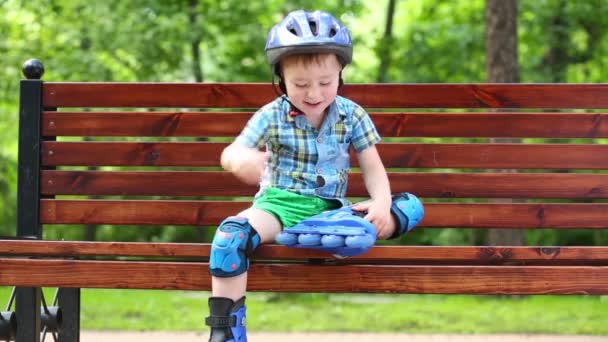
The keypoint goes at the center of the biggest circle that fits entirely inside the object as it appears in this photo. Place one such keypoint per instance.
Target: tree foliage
(205, 40)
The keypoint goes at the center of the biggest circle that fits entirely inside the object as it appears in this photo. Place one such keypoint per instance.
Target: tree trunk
(386, 43)
(557, 55)
(197, 71)
(501, 41)
(195, 43)
(502, 67)
(90, 230)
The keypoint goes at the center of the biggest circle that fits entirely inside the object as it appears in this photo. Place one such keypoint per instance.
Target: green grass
(184, 311)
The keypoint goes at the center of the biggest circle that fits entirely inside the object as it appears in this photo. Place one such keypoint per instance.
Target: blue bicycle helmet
(308, 32)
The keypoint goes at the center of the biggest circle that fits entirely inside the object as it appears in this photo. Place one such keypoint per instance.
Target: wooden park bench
(170, 177)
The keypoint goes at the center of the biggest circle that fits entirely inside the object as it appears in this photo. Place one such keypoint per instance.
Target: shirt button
(319, 140)
(320, 181)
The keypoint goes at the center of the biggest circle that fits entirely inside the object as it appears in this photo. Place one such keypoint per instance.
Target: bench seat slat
(394, 155)
(218, 183)
(229, 124)
(254, 95)
(437, 215)
(467, 255)
(311, 278)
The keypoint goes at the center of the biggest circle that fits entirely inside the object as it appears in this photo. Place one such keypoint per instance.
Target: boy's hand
(250, 166)
(379, 214)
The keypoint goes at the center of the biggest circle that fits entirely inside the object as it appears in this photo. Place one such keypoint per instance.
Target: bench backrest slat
(429, 184)
(394, 155)
(389, 124)
(253, 95)
(438, 215)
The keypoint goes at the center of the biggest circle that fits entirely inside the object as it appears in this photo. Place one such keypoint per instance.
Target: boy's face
(312, 85)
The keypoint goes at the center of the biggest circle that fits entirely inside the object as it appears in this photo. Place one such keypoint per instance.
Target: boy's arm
(246, 163)
(243, 157)
(378, 187)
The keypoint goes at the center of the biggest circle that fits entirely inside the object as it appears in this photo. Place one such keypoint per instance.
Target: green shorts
(291, 208)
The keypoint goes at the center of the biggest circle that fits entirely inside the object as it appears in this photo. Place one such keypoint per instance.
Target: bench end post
(33, 69)
(28, 299)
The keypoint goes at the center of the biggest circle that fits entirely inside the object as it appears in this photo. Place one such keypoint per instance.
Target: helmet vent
(313, 27)
(308, 32)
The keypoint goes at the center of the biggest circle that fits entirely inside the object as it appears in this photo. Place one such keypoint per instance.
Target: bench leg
(27, 309)
(69, 302)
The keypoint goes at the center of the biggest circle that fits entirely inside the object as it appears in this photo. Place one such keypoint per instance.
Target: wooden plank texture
(311, 278)
(394, 155)
(492, 125)
(200, 154)
(218, 183)
(400, 124)
(442, 255)
(437, 215)
(194, 213)
(144, 124)
(254, 95)
(384, 269)
(495, 156)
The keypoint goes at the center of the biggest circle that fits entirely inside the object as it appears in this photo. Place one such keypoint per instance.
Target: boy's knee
(234, 240)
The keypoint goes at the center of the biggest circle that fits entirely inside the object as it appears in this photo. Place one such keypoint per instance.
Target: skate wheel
(287, 239)
(360, 241)
(332, 241)
(309, 239)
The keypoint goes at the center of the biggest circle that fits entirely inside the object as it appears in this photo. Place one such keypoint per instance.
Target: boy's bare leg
(267, 226)
(227, 309)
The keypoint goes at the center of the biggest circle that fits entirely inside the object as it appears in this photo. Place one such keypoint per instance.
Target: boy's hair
(306, 59)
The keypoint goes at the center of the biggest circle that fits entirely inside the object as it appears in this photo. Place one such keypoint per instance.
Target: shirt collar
(335, 110)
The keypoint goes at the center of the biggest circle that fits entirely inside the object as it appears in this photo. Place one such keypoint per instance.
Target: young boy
(303, 170)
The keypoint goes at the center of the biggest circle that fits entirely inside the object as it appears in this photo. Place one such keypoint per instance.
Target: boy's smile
(312, 85)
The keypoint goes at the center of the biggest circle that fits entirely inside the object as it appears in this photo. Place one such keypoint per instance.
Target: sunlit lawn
(183, 310)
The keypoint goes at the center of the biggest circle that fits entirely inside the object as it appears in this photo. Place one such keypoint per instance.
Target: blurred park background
(400, 41)
(396, 41)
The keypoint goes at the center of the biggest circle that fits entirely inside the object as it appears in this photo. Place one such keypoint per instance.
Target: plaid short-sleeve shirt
(306, 160)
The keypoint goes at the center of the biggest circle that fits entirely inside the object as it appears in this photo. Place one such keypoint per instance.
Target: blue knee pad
(342, 232)
(407, 211)
(234, 240)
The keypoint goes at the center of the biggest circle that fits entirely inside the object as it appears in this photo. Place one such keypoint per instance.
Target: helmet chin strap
(293, 111)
